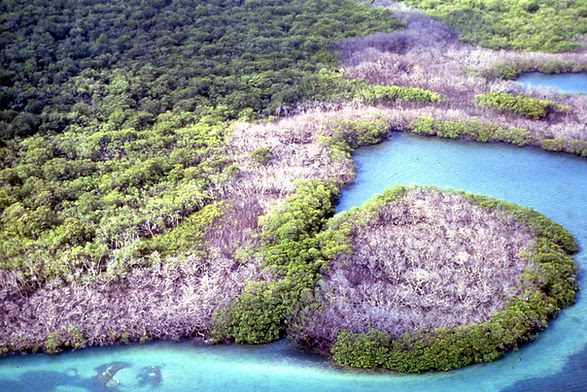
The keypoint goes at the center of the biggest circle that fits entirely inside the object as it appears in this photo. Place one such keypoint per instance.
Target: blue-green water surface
(554, 184)
(565, 82)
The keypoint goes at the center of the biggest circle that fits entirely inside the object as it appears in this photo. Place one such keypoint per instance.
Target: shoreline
(342, 334)
(280, 144)
(338, 162)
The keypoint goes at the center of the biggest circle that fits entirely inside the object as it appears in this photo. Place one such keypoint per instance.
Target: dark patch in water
(105, 374)
(49, 381)
(572, 378)
(46, 381)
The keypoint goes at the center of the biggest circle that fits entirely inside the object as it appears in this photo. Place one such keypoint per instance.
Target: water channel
(552, 183)
(565, 82)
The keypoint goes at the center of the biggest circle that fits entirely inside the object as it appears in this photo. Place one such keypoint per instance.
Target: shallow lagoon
(565, 82)
(554, 184)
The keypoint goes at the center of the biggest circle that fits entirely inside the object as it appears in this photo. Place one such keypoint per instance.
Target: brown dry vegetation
(176, 296)
(428, 55)
(429, 259)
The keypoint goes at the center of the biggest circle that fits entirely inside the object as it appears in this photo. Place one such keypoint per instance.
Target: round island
(422, 279)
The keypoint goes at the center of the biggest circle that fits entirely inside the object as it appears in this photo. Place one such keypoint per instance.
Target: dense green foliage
(291, 252)
(261, 155)
(521, 104)
(556, 144)
(545, 25)
(332, 85)
(548, 285)
(75, 203)
(577, 146)
(347, 135)
(70, 337)
(368, 93)
(121, 64)
(361, 350)
(471, 129)
(484, 132)
(114, 117)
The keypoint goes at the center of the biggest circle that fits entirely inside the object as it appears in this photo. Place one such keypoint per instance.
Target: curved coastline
(409, 120)
(337, 134)
(433, 348)
(428, 55)
(300, 266)
(273, 367)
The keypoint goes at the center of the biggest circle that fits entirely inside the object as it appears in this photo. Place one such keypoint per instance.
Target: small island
(428, 279)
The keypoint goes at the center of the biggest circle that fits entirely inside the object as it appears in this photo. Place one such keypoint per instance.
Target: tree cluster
(121, 64)
(542, 25)
(521, 104)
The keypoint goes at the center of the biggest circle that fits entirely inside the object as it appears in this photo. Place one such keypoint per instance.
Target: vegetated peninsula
(427, 279)
(146, 195)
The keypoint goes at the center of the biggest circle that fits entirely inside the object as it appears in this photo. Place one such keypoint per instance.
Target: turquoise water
(554, 184)
(566, 82)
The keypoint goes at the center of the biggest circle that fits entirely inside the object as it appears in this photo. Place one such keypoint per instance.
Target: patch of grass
(486, 132)
(332, 85)
(521, 104)
(472, 130)
(261, 155)
(344, 136)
